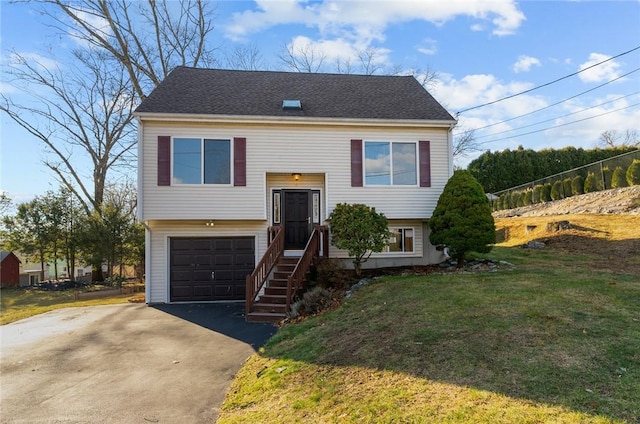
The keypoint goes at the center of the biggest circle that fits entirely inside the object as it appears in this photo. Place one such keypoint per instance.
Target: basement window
(291, 105)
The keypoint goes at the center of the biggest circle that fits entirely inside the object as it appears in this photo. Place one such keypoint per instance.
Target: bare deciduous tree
(302, 58)
(81, 114)
(148, 38)
(246, 58)
(612, 138)
(465, 143)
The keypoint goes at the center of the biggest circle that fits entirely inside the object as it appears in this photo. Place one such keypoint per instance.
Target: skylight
(291, 105)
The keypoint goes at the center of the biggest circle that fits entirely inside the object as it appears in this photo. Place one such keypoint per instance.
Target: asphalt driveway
(127, 363)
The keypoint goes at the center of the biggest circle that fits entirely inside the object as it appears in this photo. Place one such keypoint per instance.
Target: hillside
(603, 225)
(615, 201)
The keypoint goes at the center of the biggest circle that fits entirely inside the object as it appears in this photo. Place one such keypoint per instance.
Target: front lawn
(548, 340)
(16, 304)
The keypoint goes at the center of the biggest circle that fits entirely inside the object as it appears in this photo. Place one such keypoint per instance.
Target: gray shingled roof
(260, 93)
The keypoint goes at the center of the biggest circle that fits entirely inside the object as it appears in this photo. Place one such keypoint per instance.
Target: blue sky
(482, 52)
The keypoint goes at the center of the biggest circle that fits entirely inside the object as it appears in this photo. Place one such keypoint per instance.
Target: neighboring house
(225, 155)
(9, 269)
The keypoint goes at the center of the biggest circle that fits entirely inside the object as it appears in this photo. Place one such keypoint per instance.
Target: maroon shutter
(239, 161)
(356, 163)
(164, 160)
(425, 163)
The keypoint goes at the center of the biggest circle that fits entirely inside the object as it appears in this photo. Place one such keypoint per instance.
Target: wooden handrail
(311, 252)
(256, 280)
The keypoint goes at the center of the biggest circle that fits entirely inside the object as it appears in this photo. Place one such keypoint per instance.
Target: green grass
(16, 304)
(544, 341)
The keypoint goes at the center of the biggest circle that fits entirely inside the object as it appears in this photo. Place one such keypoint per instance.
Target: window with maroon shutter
(239, 162)
(164, 160)
(424, 148)
(356, 163)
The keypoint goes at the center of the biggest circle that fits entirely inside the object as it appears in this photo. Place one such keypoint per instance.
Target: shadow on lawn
(579, 352)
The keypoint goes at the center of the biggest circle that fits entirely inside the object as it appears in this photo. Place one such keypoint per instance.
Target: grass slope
(16, 304)
(547, 340)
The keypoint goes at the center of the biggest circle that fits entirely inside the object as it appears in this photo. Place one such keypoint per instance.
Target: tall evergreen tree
(462, 219)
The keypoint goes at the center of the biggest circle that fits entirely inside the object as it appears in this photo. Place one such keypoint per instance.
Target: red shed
(9, 269)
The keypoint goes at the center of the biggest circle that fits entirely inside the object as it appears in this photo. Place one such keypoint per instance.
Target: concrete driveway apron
(127, 363)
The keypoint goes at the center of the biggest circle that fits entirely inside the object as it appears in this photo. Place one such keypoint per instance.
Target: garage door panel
(225, 259)
(192, 261)
(202, 259)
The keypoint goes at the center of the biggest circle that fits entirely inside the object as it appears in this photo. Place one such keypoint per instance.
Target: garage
(210, 269)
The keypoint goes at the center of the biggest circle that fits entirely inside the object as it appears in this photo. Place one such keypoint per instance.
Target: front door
(297, 218)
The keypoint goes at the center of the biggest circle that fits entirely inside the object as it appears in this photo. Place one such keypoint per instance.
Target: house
(9, 269)
(226, 158)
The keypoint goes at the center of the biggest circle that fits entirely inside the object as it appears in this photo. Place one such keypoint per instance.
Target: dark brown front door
(297, 218)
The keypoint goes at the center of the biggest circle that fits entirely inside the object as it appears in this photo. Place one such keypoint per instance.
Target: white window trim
(386, 250)
(202, 183)
(391, 184)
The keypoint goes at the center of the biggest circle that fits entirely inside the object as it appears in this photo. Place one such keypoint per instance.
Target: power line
(560, 125)
(558, 117)
(549, 83)
(553, 104)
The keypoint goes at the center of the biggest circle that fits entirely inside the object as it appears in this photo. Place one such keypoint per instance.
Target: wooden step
(279, 308)
(264, 317)
(273, 298)
(275, 291)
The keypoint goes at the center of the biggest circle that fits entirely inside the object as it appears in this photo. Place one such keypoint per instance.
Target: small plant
(556, 190)
(618, 179)
(590, 183)
(313, 301)
(515, 199)
(606, 174)
(528, 197)
(633, 173)
(577, 185)
(545, 196)
(537, 194)
(566, 186)
(330, 274)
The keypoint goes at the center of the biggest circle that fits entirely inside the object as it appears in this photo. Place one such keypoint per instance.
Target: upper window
(198, 161)
(390, 163)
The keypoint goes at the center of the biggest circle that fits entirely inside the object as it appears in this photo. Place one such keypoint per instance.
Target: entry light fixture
(209, 224)
(296, 176)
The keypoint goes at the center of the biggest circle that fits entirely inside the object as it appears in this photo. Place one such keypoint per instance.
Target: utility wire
(560, 125)
(549, 83)
(551, 105)
(557, 117)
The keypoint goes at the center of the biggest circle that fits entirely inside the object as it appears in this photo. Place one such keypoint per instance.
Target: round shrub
(618, 179)
(528, 197)
(633, 173)
(606, 174)
(577, 185)
(556, 190)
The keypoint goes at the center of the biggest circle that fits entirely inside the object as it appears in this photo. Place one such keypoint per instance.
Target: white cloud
(34, 60)
(601, 73)
(428, 46)
(368, 21)
(525, 63)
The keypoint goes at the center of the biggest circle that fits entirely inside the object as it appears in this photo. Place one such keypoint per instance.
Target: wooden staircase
(271, 306)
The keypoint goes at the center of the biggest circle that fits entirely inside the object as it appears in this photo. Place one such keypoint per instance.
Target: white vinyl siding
(158, 271)
(283, 150)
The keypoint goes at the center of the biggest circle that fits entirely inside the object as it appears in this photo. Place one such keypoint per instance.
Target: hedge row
(560, 189)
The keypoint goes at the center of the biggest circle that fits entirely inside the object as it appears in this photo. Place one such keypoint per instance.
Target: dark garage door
(206, 269)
